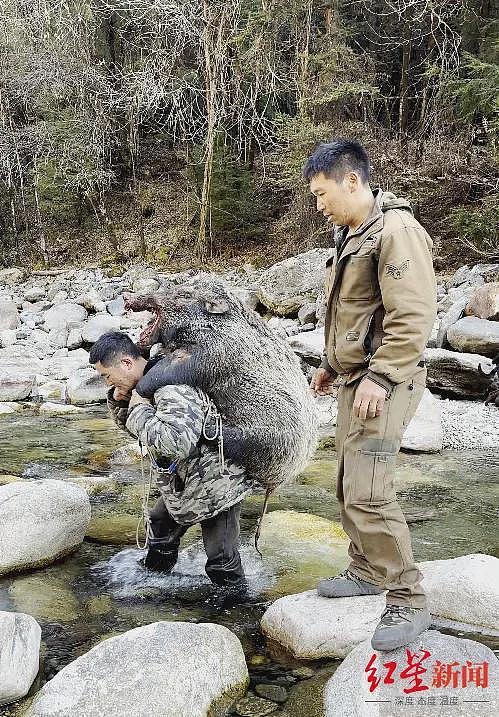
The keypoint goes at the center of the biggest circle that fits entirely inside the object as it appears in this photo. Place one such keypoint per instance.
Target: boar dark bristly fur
(251, 374)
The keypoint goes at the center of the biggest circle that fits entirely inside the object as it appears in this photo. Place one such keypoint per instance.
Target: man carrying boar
(381, 306)
(194, 487)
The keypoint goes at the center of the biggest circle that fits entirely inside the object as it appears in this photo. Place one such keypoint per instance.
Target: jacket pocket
(373, 478)
(357, 283)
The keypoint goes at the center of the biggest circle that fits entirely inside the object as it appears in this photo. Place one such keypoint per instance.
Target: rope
(144, 520)
(212, 412)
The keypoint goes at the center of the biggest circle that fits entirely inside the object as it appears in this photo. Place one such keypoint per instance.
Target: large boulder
(7, 337)
(59, 316)
(454, 314)
(16, 387)
(9, 315)
(424, 432)
(19, 655)
(349, 691)
(165, 668)
(312, 627)
(469, 425)
(477, 336)
(457, 374)
(40, 521)
(309, 345)
(484, 303)
(285, 287)
(474, 578)
(63, 363)
(99, 324)
(85, 386)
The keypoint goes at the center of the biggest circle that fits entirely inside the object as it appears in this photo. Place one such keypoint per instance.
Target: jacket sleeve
(173, 425)
(117, 409)
(408, 290)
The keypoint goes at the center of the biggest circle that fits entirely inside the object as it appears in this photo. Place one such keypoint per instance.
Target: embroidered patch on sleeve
(397, 271)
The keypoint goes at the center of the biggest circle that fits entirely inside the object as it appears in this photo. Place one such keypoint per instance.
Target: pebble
(271, 692)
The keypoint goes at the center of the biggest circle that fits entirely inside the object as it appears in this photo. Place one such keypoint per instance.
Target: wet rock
(309, 345)
(347, 691)
(165, 668)
(128, 454)
(15, 387)
(472, 335)
(9, 316)
(251, 706)
(59, 316)
(424, 433)
(19, 655)
(457, 374)
(85, 386)
(303, 673)
(114, 529)
(98, 325)
(47, 597)
(51, 389)
(312, 627)
(275, 693)
(59, 409)
(287, 286)
(474, 578)
(39, 522)
(484, 303)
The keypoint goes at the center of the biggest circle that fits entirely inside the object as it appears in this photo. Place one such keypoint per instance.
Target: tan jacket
(381, 295)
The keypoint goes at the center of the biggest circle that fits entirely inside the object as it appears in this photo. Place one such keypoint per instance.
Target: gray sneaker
(346, 584)
(398, 626)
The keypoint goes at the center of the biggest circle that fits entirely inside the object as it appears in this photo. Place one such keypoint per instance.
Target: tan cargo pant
(380, 547)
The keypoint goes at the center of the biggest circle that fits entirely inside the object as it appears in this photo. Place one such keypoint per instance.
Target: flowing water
(450, 500)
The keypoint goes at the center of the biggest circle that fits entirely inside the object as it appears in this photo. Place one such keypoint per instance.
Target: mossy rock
(114, 529)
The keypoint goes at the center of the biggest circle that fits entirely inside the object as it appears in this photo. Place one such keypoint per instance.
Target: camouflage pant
(220, 538)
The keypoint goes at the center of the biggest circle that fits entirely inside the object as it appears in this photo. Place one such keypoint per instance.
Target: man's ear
(126, 362)
(215, 304)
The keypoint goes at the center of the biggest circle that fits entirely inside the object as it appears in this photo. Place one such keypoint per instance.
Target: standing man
(381, 306)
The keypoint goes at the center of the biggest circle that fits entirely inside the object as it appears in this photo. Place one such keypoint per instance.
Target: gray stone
(92, 301)
(247, 297)
(454, 314)
(15, 387)
(309, 345)
(35, 293)
(275, 693)
(459, 277)
(85, 386)
(307, 327)
(51, 389)
(98, 325)
(58, 337)
(457, 374)
(20, 360)
(116, 307)
(8, 407)
(424, 432)
(469, 425)
(20, 637)
(9, 316)
(39, 522)
(285, 287)
(306, 314)
(75, 339)
(164, 668)
(11, 277)
(252, 706)
(59, 297)
(63, 363)
(347, 691)
(484, 304)
(145, 285)
(472, 335)
(320, 309)
(59, 409)
(489, 272)
(474, 578)
(7, 337)
(59, 316)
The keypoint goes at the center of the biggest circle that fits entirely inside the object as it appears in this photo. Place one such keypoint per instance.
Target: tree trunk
(404, 96)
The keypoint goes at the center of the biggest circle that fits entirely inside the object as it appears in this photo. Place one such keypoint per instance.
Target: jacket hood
(388, 200)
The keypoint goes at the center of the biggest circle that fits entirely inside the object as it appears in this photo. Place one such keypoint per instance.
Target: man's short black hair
(336, 158)
(111, 347)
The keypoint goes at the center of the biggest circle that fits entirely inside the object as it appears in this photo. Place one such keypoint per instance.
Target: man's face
(123, 374)
(335, 199)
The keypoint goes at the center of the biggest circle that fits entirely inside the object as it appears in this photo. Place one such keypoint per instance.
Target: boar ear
(215, 304)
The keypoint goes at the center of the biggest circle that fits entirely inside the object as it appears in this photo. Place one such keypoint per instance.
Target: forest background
(175, 131)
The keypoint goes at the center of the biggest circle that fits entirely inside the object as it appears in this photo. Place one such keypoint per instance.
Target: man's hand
(136, 399)
(322, 382)
(369, 399)
(121, 395)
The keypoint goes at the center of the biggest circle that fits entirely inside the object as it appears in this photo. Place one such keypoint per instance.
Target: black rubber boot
(160, 561)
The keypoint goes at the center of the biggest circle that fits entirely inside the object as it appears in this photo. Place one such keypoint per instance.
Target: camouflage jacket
(171, 430)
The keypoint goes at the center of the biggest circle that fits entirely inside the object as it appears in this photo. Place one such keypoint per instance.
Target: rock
(59, 297)
(489, 272)
(51, 389)
(11, 277)
(7, 407)
(15, 387)
(136, 319)
(98, 325)
(284, 327)
(474, 578)
(309, 345)
(347, 691)
(251, 706)
(312, 627)
(85, 386)
(320, 309)
(58, 317)
(20, 637)
(116, 307)
(7, 338)
(145, 285)
(275, 693)
(128, 454)
(36, 293)
(484, 303)
(327, 410)
(468, 425)
(459, 277)
(306, 314)
(247, 297)
(164, 668)
(59, 409)
(285, 287)
(454, 314)
(58, 337)
(75, 339)
(47, 597)
(457, 374)
(424, 432)
(433, 337)
(472, 335)
(9, 316)
(63, 363)
(91, 301)
(40, 521)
